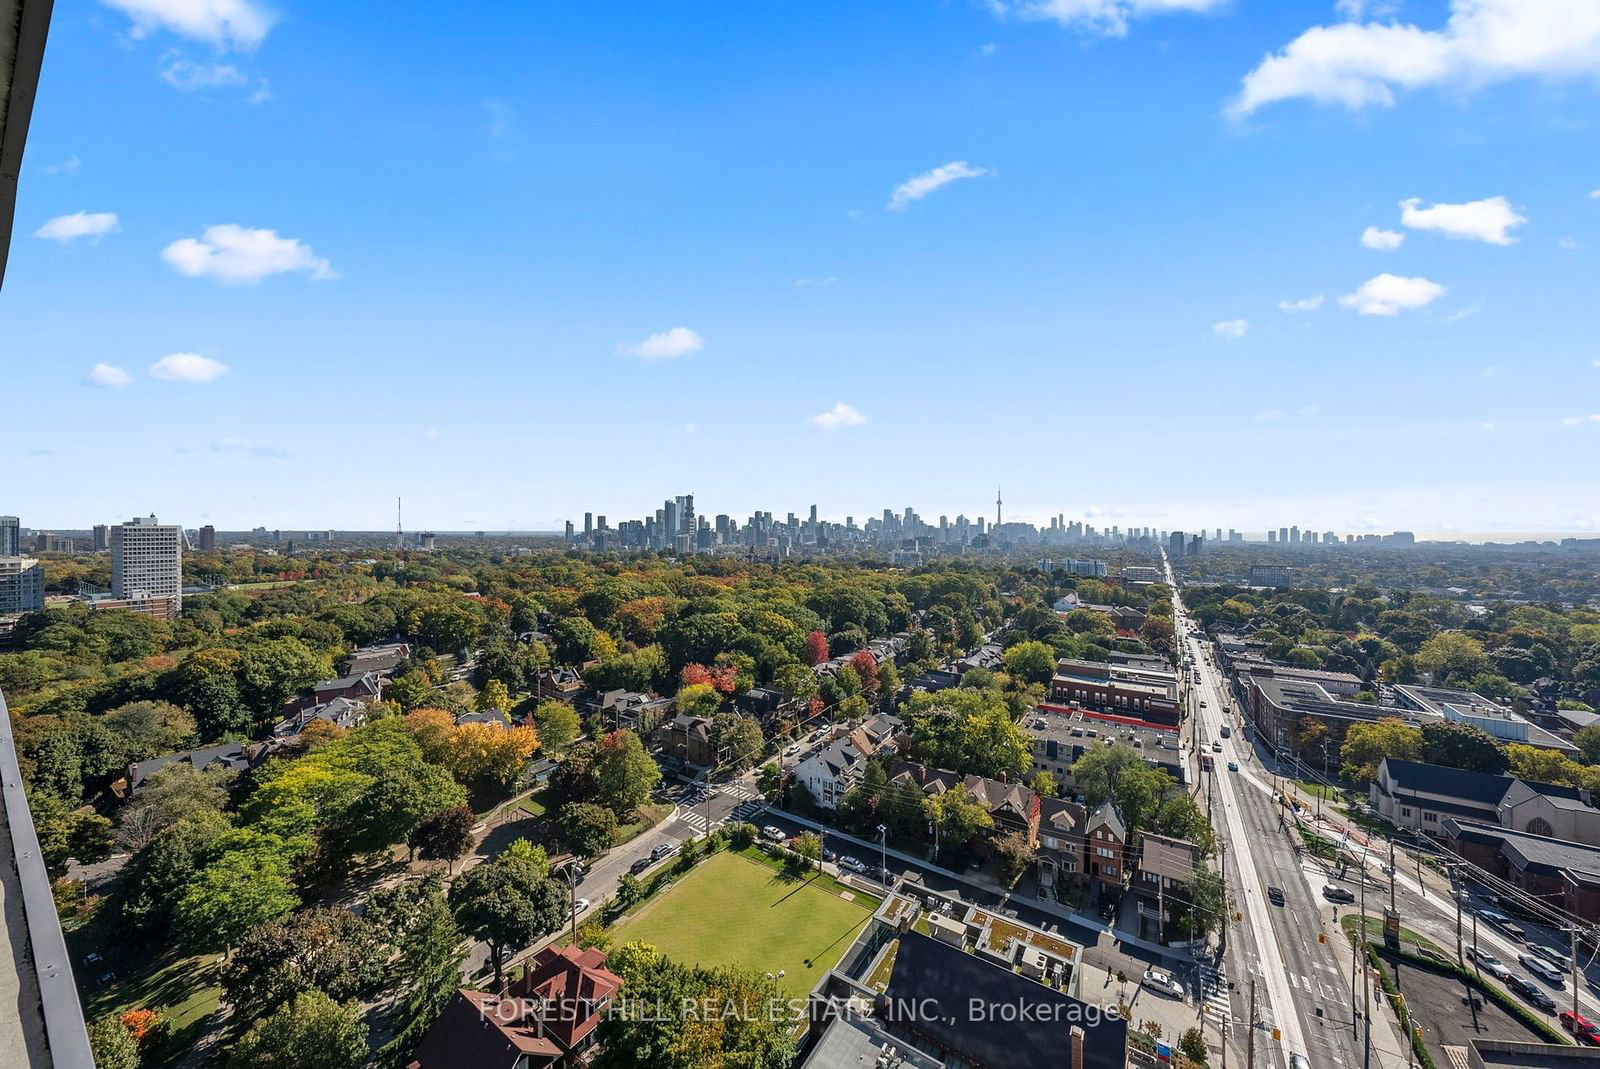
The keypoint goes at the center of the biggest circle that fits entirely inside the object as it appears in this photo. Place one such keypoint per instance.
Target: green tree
(958, 816)
(149, 729)
(1012, 854)
(505, 904)
(161, 871)
(1462, 746)
(588, 829)
(312, 1032)
(207, 684)
(1452, 655)
(273, 671)
(1209, 902)
(630, 889)
(809, 846)
(1366, 745)
(698, 699)
(1043, 783)
(1031, 661)
(416, 918)
(171, 794)
(113, 1046)
(445, 835)
(494, 696)
(1587, 739)
(246, 886)
(557, 725)
(624, 773)
(326, 949)
(738, 740)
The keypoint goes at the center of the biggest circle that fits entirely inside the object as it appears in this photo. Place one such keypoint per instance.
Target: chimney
(1076, 1041)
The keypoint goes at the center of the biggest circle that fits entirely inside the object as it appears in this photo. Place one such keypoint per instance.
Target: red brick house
(546, 1018)
(1106, 846)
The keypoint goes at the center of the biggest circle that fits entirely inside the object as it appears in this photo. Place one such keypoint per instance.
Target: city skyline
(1347, 305)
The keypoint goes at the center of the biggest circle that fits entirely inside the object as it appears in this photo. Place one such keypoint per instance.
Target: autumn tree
(624, 773)
(816, 650)
(1367, 744)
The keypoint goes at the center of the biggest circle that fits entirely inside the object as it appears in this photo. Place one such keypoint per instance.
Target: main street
(1300, 987)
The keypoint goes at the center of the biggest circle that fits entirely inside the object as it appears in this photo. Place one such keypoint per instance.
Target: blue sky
(514, 261)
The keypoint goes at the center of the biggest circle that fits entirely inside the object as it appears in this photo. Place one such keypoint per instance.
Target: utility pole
(1573, 947)
(1391, 876)
(1456, 894)
(1250, 1040)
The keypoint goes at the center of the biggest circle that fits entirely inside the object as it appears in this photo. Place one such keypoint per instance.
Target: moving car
(1582, 1027)
(1161, 982)
(1531, 993)
(1488, 963)
(1226, 731)
(579, 906)
(792, 750)
(1334, 893)
(1298, 1061)
(1541, 968)
(773, 835)
(1275, 895)
(1233, 766)
(1216, 747)
(1553, 956)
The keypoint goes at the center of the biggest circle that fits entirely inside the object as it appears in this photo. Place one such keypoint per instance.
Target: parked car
(792, 750)
(663, 850)
(1162, 983)
(1488, 962)
(1552, 955)
(1334, 893)
(852, 864)
(1275, 895)
(772, 834)
(1582, 1027)
(882, 876)
(829, 855)
(1542, 969)
(640, 864)
(1531, 993)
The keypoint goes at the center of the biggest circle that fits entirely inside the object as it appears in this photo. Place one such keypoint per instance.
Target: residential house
(546, 1018)
(363, 687)
(1062, 830)
(1161, 878)
(641, 713)
(688, 738)
(380, 660)
(342, 713)
(767, 704)
(1105, 847)
(1013, 806)
(232, 756)
(562, 684)
(490, 715)
(830, 773)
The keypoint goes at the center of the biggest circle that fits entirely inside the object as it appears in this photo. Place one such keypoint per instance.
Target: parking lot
(1451, 1012)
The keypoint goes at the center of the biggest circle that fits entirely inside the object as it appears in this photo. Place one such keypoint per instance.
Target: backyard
(734, 909)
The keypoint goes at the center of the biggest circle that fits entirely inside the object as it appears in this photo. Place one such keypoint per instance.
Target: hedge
(1496, 995)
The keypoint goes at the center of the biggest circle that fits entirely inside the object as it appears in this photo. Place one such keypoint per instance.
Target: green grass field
(732, 910)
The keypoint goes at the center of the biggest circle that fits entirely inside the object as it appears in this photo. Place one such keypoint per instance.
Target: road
(1300, 987)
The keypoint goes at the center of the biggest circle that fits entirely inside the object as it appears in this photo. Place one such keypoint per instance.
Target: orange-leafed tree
(816, 647)
(866, 666)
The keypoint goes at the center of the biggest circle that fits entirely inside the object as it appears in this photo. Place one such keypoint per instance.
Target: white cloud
(1568, 243)
(1304, 304)
(1578, 421)
(1594, 194)
(232, 253)
(1486, 425)
(188, 367)
(840, 415)
(1362, 64)
(1359, 9)
(988, 49)
(1464, 313)
(1230, 328)
(1374, 238)
(1482, 220)
(262, 92)
(1387, 295)
(190, 76)
(67, 166)
(914, 189)
(1110, 17)
(666, 345)
(236, 24)
(106, 375)
(65, 228)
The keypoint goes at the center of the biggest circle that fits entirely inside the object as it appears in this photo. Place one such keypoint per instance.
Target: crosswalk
(1214, 992)
(751, 803)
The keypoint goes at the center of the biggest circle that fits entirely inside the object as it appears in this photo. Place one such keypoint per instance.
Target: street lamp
(883, 855)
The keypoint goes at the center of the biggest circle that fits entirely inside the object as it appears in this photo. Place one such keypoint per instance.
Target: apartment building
(147, 563)
(21, 585)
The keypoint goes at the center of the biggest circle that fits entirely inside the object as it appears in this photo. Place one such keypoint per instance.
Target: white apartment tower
(21, 585)
(147, 561)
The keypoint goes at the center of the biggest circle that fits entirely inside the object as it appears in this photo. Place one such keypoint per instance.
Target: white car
(853, 864)
(1162, 983)
(1488, 963)
(791, 751)
(1542, 969)
(579, 906)
(772, 834)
